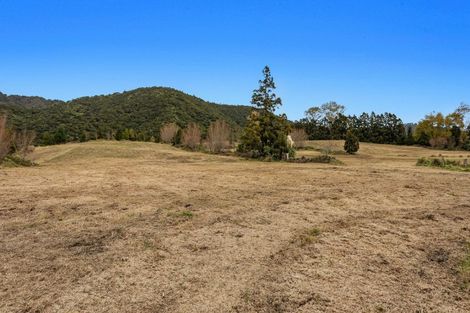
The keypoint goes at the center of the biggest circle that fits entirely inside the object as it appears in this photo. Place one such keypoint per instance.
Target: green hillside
(143, 110)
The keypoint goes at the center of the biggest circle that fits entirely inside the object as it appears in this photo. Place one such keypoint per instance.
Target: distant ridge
(144, 110)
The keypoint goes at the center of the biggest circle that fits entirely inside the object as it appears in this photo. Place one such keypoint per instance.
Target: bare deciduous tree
(5, 138)
(191, 136)
(168, 132)
(218, 136)
(439, 142)
(24, 143)
(299, 136)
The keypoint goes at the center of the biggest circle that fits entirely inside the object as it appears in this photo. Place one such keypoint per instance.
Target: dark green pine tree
(264, 97)
(266, 133)
(351, 143)
(455, 133)
(409, 136)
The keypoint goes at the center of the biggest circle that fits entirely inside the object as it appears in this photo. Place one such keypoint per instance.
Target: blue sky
(405, 57)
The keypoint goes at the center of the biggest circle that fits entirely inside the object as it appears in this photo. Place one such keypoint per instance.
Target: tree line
(328, 121)
(196, 124)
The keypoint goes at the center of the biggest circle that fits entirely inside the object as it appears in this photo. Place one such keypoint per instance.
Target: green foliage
(409, 136)
(13, 160)
(323, 158)
(329, 122)
(309, 236)
(265, 135)
(351, 143)
(60, 135)
(455, 135)
(264, 97)
(441, 131)
(464, 268)
(83, 136)
(177, 138)
(466, 145)
(132, 115)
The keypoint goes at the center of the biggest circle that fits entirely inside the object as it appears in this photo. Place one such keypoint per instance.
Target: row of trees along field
(328, 121)
(445, 132)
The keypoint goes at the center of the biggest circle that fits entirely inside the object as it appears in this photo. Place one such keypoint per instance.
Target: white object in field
(290, 142)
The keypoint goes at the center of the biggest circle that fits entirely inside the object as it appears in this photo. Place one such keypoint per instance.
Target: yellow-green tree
(442, 131)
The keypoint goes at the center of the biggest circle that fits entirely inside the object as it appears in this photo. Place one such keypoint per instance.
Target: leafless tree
(439, 142)
(191, 136)
(299, 136)
(218, 136)
(24, 143)
(5, 138)
(168, 132)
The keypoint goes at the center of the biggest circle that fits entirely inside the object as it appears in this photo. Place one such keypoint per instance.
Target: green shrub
(16, 161)
(466, 145)
(444, 163)
(351, 143)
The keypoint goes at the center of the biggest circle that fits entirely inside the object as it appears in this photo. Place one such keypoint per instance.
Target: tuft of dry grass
(464, 268)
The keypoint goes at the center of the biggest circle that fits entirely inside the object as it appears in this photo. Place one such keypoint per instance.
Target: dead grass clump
(309, 236)
(218, 136)
(464, 268)
(168, 132)
(191, 136)
(186, 214)
(440, 256)
(299, 136)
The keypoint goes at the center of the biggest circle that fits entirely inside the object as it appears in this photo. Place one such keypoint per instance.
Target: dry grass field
(142, 227)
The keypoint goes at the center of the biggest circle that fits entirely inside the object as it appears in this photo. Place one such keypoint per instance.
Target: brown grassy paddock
(142, 227)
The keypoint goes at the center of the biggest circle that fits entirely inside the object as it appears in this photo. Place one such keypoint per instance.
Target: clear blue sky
(407, 57)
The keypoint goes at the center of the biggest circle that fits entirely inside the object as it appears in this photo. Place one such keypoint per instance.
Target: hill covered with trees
(141, 112)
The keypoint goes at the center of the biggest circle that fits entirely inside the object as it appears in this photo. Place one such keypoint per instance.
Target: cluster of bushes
(218, 138)
(15, 146)
(323, 158)
(328, 121)
(462, 165)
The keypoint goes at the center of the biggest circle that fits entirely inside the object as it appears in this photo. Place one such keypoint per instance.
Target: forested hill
(25, 102)
(143, 110)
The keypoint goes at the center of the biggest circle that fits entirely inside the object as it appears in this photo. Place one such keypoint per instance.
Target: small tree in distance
(266, 133)
(218, 136)
(351, 143)
(24, 143)
(168, 132)
(299, 136)
(191, 137)
(5, 138)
